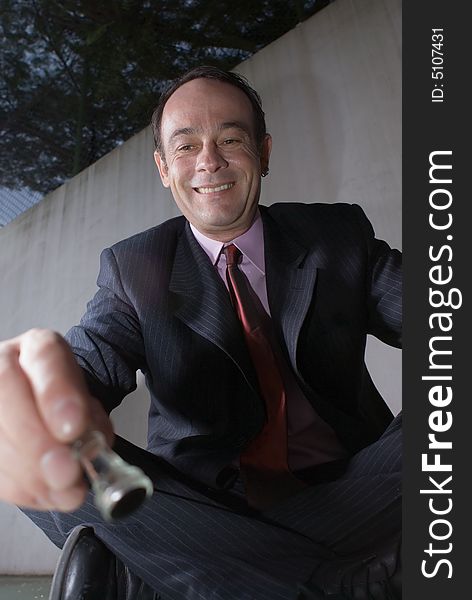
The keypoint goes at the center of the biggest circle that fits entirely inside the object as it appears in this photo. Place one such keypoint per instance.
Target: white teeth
(210, 190)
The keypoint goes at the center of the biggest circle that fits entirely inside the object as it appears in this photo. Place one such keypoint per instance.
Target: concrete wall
(332, 94)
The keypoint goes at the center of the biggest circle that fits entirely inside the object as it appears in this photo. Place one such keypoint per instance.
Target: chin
(220, 220)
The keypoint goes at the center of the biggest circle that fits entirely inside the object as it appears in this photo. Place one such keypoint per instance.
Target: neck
(228, 234)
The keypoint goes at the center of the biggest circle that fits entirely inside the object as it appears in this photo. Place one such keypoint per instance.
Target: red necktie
(264, 463)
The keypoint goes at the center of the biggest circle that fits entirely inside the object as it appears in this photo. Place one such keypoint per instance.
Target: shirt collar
(251, 244)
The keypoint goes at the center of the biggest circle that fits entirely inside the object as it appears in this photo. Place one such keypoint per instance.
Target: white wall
(332, 94)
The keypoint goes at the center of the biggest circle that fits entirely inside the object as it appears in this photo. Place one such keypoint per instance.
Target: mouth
(211, 189)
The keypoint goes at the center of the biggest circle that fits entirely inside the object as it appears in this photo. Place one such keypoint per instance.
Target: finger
(22, 485)
(25, 484)
(70, 499)
(21, 471)
(11, 492)
(20, 420)
(56, 382)
(67, 501)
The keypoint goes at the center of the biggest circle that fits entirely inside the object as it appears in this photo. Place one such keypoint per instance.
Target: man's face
(211, 160)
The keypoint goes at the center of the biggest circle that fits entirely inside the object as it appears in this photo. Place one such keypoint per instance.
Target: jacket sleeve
(384, 287)
(108, 342)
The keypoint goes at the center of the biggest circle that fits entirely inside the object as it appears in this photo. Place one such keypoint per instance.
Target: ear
(163, 168)
(265, 153)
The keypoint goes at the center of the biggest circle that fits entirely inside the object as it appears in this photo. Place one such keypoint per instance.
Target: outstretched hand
(44, 406)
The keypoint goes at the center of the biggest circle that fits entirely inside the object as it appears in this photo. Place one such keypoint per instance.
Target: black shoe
(88, 570)
(374, 575)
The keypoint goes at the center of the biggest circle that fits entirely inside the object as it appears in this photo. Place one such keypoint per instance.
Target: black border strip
(442, 127)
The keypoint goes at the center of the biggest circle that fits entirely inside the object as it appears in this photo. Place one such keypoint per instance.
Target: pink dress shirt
(311, 441)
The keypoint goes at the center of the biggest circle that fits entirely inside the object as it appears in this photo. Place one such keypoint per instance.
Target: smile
(212, 190)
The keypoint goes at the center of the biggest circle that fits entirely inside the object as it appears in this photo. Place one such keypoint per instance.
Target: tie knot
(233, 255)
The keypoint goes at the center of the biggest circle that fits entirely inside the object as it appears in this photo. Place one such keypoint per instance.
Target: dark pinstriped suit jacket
(161, 307)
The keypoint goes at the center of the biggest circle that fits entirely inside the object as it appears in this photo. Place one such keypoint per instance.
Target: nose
(210, 159)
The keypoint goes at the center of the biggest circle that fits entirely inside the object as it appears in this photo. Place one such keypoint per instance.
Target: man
(280, 475)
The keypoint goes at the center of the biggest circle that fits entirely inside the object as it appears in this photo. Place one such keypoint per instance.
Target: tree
(81, 76)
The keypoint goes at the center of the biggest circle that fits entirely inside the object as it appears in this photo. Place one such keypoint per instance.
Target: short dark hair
(207, 72)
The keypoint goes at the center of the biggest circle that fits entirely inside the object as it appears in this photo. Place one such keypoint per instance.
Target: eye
(185, 148)
(230, 141)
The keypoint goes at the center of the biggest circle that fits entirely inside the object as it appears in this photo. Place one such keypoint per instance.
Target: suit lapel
(290, 275)
(203, 303)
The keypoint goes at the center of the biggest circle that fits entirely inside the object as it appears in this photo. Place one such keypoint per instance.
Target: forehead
(203, 103)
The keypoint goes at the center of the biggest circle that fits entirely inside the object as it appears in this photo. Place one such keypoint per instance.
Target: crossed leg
(189, 542)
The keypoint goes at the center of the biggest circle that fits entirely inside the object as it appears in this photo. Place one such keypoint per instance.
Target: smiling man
(213, 164)
(276, 463)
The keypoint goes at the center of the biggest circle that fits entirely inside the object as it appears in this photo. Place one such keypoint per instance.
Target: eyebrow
(182, 131)
(221, 127)
(234, 125)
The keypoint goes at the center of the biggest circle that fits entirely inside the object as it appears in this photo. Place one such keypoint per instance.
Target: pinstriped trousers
(189, 543)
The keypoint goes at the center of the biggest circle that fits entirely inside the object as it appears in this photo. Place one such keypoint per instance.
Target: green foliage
(78, 77)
